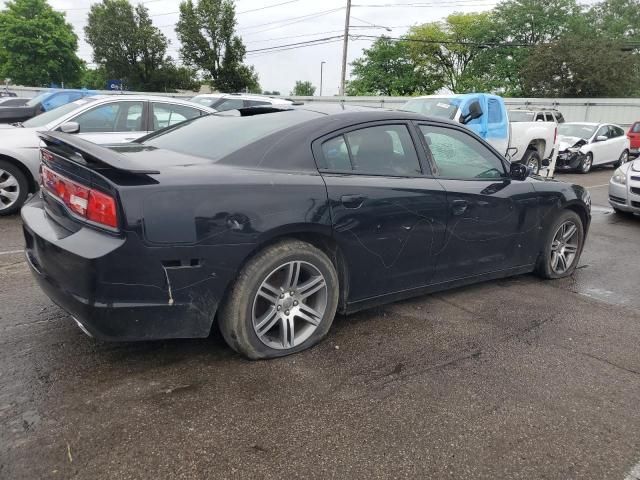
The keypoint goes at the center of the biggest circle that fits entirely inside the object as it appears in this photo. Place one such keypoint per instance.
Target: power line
(268, 6)
(291, 19)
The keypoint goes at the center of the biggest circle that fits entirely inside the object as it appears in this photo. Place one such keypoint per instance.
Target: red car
(634, 138)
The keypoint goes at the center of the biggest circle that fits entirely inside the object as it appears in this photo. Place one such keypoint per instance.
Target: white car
(583, 145)
(106, 119)
(232, 101)
(624, 188)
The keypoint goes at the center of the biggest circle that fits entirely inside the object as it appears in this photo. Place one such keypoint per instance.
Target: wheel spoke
(569, 232)
(287, 332)
(570, 249)
(312, 286)
(555, 245)
(554, 260)
(267, 321)
(10, 181)
(11, 196)
(269, 292)
(293, 274)
(562, 262)
(309, 314)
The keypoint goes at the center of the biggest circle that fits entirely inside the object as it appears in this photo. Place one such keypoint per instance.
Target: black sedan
(269, 221)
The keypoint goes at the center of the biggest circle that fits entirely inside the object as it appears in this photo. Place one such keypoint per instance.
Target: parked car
(7, 93)
(634, 139)
(583, 145)
(101, 119)
(44, 102)
(232, 101)
(533, 114)
(270, 223)
(624, 188)
(12, 101)
(530, 143)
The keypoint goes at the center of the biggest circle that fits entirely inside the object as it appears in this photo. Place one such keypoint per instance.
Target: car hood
(565, 142)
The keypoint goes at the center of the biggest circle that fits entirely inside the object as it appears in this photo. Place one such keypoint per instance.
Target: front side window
(559, 117)
(460, 156)
(112, 117)
(165, 114)
(495, 111)
(603, 132)
(635, 128)
(380, 150)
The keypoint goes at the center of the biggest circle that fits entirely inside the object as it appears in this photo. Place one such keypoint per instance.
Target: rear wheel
(563, 246)
(586, 163)
(282, 302)
(624, 158)
(532, 159)
(14, 188)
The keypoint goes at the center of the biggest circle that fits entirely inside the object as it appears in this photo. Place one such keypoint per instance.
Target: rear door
(493, 219)
(388, 216)
(114, 122)
(634, 136)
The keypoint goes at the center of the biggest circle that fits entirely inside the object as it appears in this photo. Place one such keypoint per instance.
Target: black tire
(235, 316)
(586, 163)
(624, 158)
(543, 267)
(22, 188)
(532, 158)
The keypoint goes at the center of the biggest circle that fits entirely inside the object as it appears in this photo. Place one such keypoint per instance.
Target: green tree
(616, 19)
(452, 52)
(388, 69)
(574, 66)
(303, 89)
(37, 45)
(206, 30)
(126, 43)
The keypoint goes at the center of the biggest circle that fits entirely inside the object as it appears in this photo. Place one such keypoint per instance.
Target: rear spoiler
(90, 152)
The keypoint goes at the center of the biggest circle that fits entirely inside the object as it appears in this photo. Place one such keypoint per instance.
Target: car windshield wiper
(18, 124)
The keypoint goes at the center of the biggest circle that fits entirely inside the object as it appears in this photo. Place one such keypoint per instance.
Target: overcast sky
(280, 25)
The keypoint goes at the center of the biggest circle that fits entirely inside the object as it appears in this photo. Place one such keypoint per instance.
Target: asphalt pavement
(517, 378)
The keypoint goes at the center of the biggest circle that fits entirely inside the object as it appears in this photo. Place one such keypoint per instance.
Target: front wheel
(563, 246)
(282, 302)
(624, 158)
(532, 159)
(14, 188)
(586, 163)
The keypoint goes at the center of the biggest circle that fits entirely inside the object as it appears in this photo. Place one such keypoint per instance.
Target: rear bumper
(79, 272)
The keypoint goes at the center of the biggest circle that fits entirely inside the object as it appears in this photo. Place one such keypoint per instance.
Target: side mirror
(475, 111)
(519, 171)
(601, 138)
(70, 127)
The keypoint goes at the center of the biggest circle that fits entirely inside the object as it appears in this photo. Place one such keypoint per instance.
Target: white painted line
(11, 252)
(634, 474)
(598, 186)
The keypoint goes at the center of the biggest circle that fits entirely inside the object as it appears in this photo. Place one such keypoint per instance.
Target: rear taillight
(86, 202)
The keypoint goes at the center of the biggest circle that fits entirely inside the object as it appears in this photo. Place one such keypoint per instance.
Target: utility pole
(344, 48)
(321, 65)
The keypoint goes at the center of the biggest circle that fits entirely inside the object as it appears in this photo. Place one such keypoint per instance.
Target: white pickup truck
(531, 143)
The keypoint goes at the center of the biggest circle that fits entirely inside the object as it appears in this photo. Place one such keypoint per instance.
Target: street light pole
(344, 47)
(321, 65)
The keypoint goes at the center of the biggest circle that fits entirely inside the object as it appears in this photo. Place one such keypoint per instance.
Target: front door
(493, 220)
(388, 217)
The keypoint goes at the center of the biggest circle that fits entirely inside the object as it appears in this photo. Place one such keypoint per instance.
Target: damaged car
(583, 145)
(268, 221)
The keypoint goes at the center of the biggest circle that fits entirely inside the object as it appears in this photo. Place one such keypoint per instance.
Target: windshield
(579, 130)
(47, 117)
(520, 116)
(216, 136)
(434, 107)
(37, 99)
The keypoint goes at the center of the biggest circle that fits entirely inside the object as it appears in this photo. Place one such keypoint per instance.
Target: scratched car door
(493, 219)
(388, 217)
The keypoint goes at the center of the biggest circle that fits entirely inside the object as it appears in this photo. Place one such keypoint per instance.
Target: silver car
(104, 119)
(624, 188)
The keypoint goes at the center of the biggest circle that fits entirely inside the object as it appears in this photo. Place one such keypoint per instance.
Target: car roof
(150, 98)
(246, 96)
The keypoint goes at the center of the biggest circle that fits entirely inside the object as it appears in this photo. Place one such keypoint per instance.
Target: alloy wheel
(586, 165)
(564, 247)
(289, 305)
(624, 158)
(9, 189)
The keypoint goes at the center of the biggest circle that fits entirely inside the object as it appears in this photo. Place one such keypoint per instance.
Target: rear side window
(495, 111)
(166, 114)
(228, 104)
(635, 128)
(255, 103)
(380, 150)
(549, 117)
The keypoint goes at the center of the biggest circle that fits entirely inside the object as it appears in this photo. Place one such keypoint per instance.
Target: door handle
(458, 207)
(352, 201)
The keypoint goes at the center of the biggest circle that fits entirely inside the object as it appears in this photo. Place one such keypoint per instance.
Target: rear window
(216, 136)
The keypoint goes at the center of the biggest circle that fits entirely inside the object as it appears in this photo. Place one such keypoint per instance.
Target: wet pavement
(516, 378)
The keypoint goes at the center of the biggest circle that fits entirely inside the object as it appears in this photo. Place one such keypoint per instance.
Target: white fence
(623, 111)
